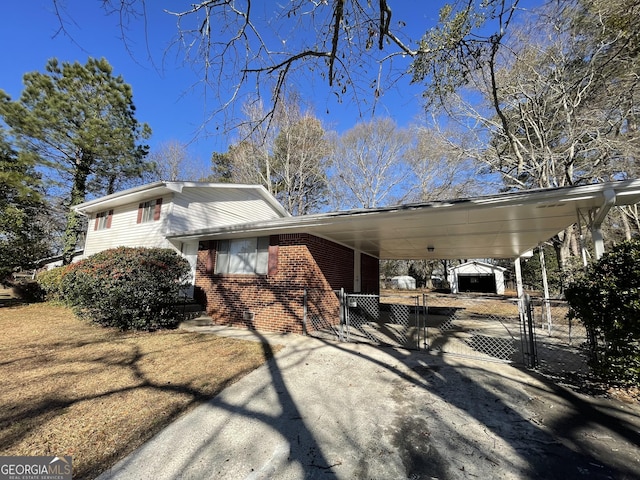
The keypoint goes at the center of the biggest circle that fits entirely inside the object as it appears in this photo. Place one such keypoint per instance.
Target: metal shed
(475, 276)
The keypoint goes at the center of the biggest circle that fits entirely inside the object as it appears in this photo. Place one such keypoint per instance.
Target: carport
(497, 226)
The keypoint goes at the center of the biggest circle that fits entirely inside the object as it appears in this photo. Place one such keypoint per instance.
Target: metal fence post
(304, 313)
(532, 340)
(425, 311)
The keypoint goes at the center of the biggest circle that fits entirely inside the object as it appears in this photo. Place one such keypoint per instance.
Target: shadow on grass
(59, 363)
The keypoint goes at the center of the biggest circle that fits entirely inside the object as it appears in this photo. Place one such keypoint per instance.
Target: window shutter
(272, 269)
(208, 268)
(109, 217)
(140, 209)
(95, 225)
(158, 208)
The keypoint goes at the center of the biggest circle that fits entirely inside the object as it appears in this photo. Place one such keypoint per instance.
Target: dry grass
(497, 305)
(72, 388)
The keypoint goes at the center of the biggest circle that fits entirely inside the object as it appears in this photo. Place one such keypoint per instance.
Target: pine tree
(79, 122)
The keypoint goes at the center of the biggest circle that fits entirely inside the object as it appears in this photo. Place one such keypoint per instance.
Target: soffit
(499, 226)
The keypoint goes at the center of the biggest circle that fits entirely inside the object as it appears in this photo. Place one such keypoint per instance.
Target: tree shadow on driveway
(329, 410)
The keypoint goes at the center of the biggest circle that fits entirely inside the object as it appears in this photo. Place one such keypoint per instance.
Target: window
(149, 211)
(245, 256)
(103, 220)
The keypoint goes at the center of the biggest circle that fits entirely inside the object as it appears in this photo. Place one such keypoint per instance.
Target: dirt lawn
(73, 388)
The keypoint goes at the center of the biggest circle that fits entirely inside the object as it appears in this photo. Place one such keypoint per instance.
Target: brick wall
(276, 299)
(370, 274)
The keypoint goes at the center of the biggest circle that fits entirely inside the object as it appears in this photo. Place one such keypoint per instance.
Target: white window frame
(242, 256)
(102, 220)
(148, 211)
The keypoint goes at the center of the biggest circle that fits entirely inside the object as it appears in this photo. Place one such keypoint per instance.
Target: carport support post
(545, 286)
(598, 218)
(526, 321)
(519, 289)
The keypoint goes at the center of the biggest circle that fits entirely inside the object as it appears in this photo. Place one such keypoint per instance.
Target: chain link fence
(486, 327)
(561, 343)
(384, 320)
(482, 326)
(363, 318)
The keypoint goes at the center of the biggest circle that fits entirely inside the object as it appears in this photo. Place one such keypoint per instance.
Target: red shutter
(95, 226)
(158, 208)
(272, 265)
(140, 207)
(272, 268)
(210, 253)
(109, 217)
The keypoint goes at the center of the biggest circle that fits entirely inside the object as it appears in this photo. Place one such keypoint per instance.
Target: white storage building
(475, 276)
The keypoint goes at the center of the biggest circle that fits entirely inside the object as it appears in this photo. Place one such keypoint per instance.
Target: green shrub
(606, 298)
(127, 288)
(50, 282)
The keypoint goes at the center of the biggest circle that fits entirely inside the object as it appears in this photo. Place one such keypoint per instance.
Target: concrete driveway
(322, 410)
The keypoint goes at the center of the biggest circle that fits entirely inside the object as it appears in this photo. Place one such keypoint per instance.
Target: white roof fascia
(161, 188)
(547, 206)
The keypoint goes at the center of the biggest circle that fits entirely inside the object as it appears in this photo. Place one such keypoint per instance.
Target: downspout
(596, 223)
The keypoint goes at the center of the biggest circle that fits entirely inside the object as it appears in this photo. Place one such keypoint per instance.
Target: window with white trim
(149, 211)
(103, 220)
(243, 256)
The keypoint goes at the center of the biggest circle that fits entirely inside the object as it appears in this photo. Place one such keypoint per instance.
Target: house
(476, 276)
(254, 280)
(144, 216)
(256, 266)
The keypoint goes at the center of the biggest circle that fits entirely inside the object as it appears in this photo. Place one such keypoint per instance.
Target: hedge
(606, 298)
(127, 288)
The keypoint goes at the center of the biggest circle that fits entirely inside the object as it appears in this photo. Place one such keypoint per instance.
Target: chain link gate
(364, 318)
(561, 342)
(477, 326)
(384, 320)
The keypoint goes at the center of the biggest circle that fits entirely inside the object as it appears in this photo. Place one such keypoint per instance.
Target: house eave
(495, 226)
(161, 188)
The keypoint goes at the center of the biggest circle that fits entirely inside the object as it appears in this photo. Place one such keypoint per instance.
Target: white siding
(476, 268)
(125, 232)
(197, 208)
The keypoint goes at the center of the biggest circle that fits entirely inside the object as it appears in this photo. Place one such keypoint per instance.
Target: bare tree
(441, 167)
(173, 162)
(251, 157)
(301, 154)
(288, 156)
(358, 49)
(368, 168)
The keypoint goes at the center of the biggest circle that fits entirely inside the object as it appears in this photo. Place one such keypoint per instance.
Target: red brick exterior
(370, 275)
(276, 300)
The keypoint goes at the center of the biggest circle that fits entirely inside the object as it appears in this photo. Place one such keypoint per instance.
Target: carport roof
(496, 226)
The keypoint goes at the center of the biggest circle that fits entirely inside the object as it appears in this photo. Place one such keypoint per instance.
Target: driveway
(323, 410)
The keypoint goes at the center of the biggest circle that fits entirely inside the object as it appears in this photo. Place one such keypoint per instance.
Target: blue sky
(167, 92)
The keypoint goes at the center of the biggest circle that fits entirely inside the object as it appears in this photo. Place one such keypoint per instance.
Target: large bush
(606, 298)
(127, 288)
(50, 282)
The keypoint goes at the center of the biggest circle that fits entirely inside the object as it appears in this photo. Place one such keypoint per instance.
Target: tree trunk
(75, 225)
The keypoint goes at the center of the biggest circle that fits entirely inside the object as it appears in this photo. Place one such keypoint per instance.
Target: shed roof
(495, 226)
(477, 263)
